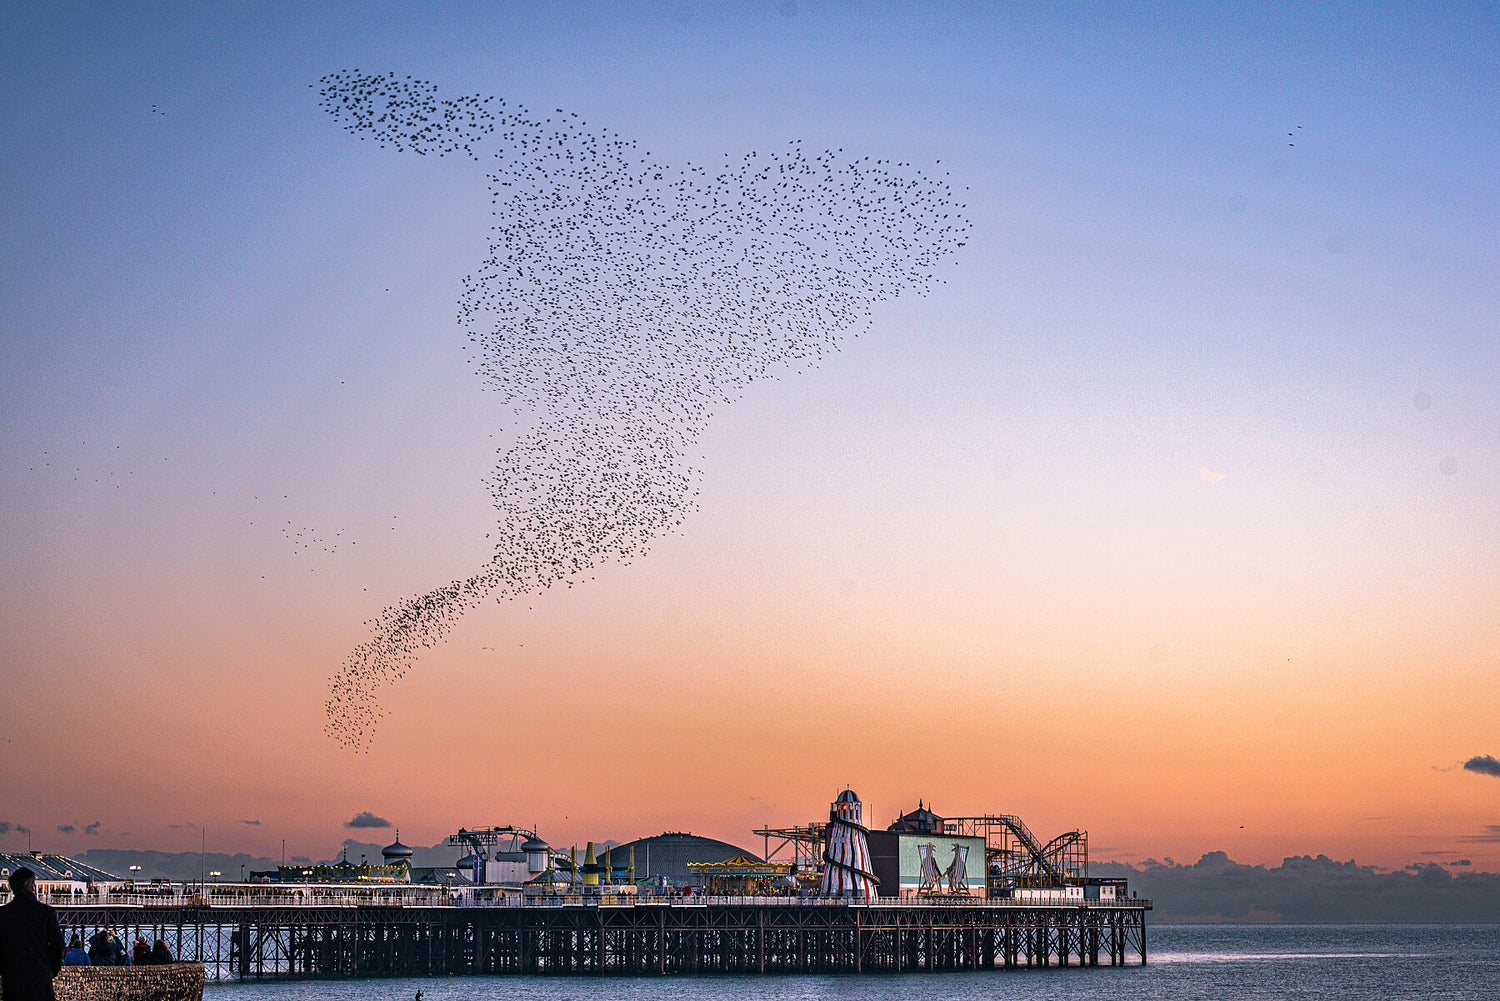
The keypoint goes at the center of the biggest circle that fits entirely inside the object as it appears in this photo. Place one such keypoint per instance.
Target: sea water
(1185, 963)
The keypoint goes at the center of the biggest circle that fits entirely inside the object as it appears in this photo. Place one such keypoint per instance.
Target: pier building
(59, 874)
(927, 893)
(670, 858)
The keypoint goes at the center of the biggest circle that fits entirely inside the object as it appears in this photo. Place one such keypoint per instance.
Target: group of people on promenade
(31, 945)
(105, 949)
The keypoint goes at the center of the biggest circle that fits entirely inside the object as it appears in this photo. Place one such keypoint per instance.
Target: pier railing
(425, 896)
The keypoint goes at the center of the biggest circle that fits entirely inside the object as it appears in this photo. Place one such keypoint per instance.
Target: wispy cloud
(1484, 764)
(93, 828)
(1490, 835)
(252, 823)
(66, 828)
(367, 819)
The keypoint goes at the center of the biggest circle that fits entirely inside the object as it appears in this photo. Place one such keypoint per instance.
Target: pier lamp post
(215, 874)
(134, 874)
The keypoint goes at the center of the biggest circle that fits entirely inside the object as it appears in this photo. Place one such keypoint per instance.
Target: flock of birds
(306, 539)
(623, 302)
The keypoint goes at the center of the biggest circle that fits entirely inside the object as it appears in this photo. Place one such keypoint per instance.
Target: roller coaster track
(1022, 833)
(1039, 859)
(1053, 850)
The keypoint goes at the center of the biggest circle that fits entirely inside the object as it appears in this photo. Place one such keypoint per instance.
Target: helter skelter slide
(846, 856)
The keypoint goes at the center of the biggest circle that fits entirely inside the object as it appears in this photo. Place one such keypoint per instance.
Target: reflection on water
(1186, 963)
(1163, 958)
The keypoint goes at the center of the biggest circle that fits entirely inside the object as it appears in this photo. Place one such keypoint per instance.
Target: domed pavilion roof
(668, 855)
(396, 851)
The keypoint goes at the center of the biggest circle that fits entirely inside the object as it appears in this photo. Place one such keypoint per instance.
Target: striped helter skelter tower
(846, 856)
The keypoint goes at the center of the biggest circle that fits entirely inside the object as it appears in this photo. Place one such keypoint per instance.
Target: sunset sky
(1173, 514)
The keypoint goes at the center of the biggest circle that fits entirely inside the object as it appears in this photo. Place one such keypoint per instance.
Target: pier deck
(627, 937)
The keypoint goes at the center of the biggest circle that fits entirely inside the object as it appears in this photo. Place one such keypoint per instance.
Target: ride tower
(846, 855)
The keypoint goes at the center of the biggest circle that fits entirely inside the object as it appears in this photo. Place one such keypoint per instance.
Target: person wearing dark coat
(31, 942)
(75, 955)
(141, 954)
(100, 951)
(160, 954)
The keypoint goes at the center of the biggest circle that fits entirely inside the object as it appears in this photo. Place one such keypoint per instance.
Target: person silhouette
(31, 942)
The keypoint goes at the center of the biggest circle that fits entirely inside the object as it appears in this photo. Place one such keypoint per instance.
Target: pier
(247, 938)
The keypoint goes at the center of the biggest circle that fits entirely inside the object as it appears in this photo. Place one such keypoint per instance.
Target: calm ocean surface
(1198, 962)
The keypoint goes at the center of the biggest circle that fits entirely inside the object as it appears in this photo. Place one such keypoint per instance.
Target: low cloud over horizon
(1302, 889)
(367, 819)
(1484, 764)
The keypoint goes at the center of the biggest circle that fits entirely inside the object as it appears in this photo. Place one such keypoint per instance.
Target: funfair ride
(846, 855)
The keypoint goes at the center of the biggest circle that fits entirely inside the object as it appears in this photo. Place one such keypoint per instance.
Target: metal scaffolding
(1016, 858)
(806, 843)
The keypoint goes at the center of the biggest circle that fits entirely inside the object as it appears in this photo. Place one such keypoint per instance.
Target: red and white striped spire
(846, 856)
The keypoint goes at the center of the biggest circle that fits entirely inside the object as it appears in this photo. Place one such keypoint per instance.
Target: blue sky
(1209, 392)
